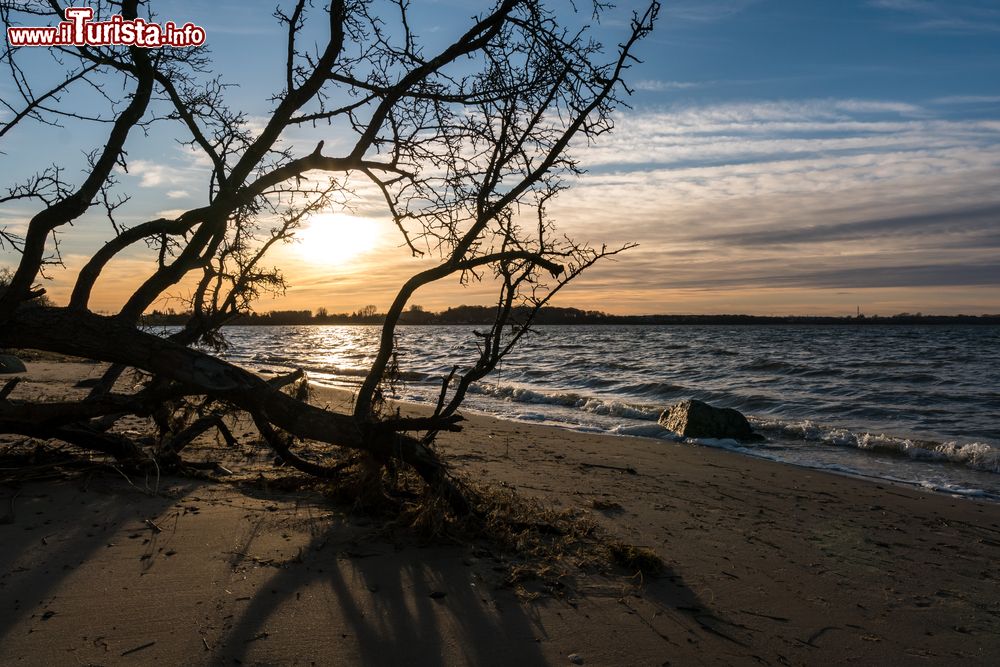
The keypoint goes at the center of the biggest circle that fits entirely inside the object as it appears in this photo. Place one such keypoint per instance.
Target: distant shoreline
(483, 315)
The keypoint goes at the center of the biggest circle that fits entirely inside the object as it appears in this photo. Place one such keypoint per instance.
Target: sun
(336, 238)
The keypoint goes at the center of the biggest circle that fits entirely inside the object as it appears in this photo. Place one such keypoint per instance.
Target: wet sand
(766, 564)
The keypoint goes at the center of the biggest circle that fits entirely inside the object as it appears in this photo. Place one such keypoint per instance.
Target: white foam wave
(645, 431)
(608, 407)
(975, 455)
(957, 490)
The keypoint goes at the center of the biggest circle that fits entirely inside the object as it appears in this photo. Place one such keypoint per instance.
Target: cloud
(952, 17)
(956, 26)
(807, 196)
(978, 221)
(917, 275)
(155, 174)
(657, 86)
(923, 6)
(877, 107)
(967, 99)
(14, 220)
(828, 133)
(703, 11)
(171, 213)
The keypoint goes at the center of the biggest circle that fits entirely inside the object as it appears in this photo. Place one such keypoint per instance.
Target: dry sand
(767, 564)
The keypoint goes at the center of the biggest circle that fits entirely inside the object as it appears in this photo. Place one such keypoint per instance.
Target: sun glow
(336, 238)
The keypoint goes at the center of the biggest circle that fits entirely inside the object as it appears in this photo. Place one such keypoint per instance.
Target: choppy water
(917, 405)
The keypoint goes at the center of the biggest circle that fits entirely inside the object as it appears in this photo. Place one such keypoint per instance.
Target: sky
(778, 157)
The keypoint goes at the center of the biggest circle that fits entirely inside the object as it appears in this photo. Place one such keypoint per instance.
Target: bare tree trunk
(86, 335)
(460, 143)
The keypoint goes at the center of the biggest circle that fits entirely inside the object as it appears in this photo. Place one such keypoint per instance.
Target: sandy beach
(766, 564)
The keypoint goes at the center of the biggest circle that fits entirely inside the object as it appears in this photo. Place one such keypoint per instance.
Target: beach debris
(640, 559)
(138, 648)
(9, 387)
(602, 505)
(696, 419)
(11, 364)
(575, 658)
(629, 469)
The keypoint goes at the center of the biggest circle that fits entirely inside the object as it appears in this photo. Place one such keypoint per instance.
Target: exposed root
(537, 549)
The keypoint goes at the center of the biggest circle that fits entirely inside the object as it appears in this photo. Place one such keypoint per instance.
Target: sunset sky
(779, 157)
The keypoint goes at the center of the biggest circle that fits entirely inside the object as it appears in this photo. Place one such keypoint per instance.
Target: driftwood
(465, 147)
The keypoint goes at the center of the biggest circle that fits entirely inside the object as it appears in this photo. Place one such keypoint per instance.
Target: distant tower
(859, 313)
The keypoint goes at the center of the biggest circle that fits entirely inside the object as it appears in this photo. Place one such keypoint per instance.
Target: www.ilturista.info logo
(79, 30)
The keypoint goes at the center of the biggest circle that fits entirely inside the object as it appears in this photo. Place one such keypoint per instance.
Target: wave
(975, 455)
(645, 431)
(591, 404)
(325, 372)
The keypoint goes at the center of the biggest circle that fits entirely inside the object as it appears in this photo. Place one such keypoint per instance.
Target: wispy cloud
(867, 277)
(968, 99)
(808, 196)
(952, 16)
(979, 222)
(827, 132)
(152, 174)
(655, 85)
(705, 10)
(923, 6)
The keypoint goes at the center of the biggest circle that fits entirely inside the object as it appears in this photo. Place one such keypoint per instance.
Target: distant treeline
(485, 315)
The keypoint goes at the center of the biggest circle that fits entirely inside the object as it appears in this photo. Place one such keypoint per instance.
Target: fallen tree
(465, 146)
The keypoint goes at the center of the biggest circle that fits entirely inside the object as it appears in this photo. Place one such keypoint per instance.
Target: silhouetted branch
(466, 144)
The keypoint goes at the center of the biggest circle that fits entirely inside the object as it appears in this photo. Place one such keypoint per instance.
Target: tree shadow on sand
(372, 602)
(375, 603)
(303, 583)
(51, 528)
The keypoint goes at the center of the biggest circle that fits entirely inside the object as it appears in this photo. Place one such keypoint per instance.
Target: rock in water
(11, 364)
(697, 419)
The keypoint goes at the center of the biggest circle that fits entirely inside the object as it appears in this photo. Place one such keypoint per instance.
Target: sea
(913, 405)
